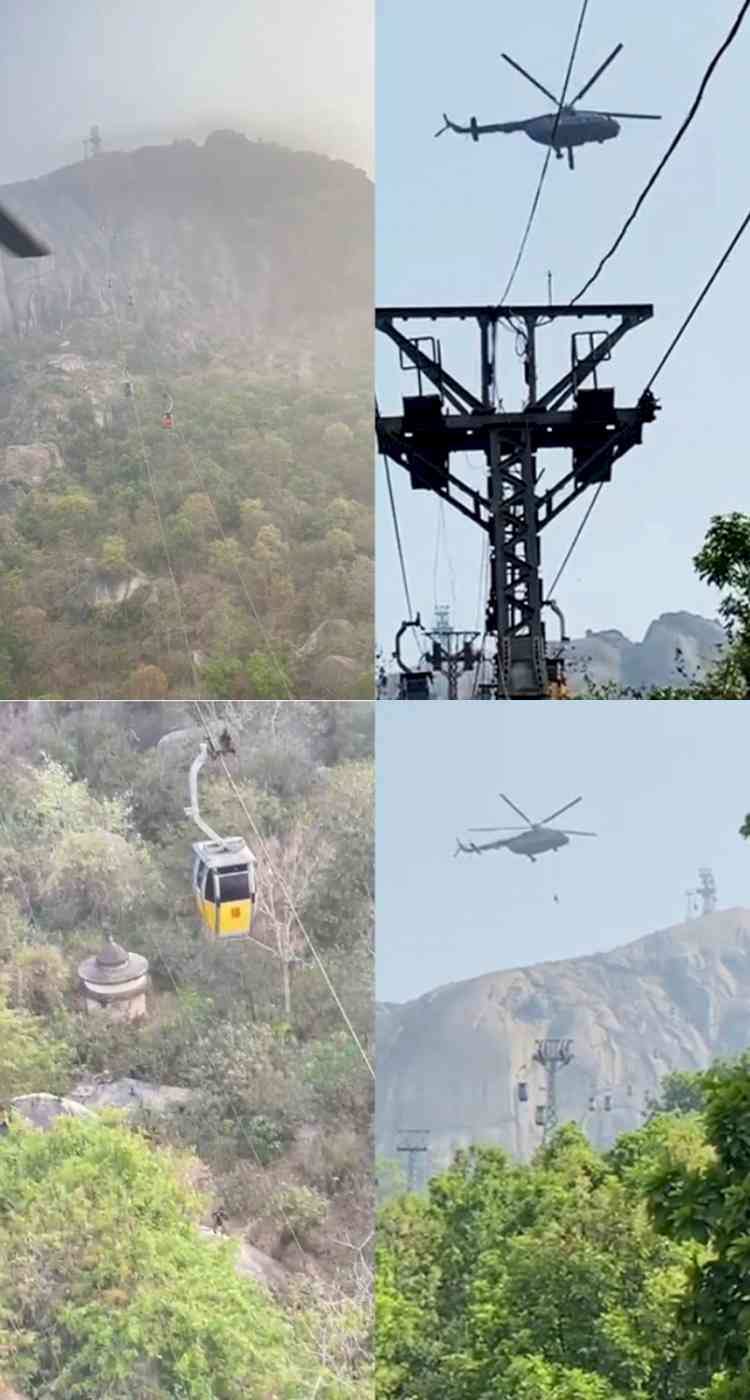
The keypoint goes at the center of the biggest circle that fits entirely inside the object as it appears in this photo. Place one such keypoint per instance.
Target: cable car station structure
(450, 418)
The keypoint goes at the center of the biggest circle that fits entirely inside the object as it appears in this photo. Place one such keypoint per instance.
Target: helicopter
(535, 838)
(571, 128)
(223, 867)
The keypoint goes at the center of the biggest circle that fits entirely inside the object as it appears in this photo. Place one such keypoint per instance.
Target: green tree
(708, 1204)
(107, 1289)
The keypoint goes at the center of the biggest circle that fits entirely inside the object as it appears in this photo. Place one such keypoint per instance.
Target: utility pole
(552, 1055)
(413, 1143)
(95, 141)
(511, 510)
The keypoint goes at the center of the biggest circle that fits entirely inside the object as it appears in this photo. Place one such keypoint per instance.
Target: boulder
(42, 1110)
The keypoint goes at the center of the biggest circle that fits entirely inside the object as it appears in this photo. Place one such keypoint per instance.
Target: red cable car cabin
(167, 421)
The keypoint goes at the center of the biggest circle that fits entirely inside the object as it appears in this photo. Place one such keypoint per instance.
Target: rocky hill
(232, 285)
(676, 646)
(233, 242)
(451, 1060)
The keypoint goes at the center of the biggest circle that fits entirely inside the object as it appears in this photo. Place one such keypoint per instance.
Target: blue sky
(450, 215)
(282, 70)
(665, 785)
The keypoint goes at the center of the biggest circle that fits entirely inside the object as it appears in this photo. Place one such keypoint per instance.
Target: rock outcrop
(451, 1060)
(677, 647)
(24, 468)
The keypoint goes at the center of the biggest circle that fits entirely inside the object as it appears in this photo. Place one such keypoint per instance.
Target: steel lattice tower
(552, 1055)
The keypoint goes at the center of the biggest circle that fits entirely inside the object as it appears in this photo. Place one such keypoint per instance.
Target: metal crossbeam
(512, 510)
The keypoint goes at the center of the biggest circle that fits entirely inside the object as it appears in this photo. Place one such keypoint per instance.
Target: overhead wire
(243, 584)
(397, 532)
(200, 475)
(708, 74)
(671, 148)
(262, 845)
(677, 337)
(548, 156)
(154, 496)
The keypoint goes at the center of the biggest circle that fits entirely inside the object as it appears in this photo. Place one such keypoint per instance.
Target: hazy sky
(450, 215)
(666, 785)
(280, 69)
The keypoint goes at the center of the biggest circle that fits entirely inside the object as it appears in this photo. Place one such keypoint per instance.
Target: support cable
(548, 157)
(671, 148)
(287, 893)
(243, 585)
(677, 337)
(696, 304)
(397, 533)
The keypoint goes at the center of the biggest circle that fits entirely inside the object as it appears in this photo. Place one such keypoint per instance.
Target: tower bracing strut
(513, 510)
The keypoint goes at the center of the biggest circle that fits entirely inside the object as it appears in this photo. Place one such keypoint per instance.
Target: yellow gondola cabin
(224, 886)
(223, 870)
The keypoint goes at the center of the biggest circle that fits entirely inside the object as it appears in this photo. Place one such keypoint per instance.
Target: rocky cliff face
(234, 242)
(451, 1060)
(676, 646)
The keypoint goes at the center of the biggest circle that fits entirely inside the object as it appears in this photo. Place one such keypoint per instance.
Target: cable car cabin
(224, 887)
(167, 421)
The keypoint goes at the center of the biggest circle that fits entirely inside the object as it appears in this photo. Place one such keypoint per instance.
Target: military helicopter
(535, 838)
(224, 866)
(571, 129)
(17, 240)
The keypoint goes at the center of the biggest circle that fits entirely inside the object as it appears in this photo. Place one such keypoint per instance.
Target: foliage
(33, 1059)
(93, 838)
(709, 1202)
(266, 506)
(298, 1212)
(107, 1287)
(546, 1281)
(724, 561)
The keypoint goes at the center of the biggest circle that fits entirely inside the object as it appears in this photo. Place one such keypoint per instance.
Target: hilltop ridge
(676, 998)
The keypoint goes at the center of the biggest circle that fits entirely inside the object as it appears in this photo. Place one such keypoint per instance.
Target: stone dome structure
(115, 982)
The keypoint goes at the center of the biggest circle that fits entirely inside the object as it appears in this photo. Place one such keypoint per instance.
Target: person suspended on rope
(167, 420)
(128, 389)
(218, 1221)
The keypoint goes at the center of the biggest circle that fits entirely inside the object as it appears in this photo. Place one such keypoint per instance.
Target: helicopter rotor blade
(519, 69)
(560, 811)
(497, 828)
(18, 240)
(597, 74)
(517, 810)
(567, 832)
(633, 116)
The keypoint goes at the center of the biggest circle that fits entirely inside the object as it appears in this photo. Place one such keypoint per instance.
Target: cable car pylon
(223, 868)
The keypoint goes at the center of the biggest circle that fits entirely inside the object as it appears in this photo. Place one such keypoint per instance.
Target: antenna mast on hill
(413, 1142)
(552, 1055)
(707, 890)
(95, 141)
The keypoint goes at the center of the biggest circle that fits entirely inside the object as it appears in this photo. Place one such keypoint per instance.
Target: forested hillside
(581, 1276)
(228, 553)
(219, 1099)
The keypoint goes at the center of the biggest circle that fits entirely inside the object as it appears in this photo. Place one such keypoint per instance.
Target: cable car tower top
(446, 417)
